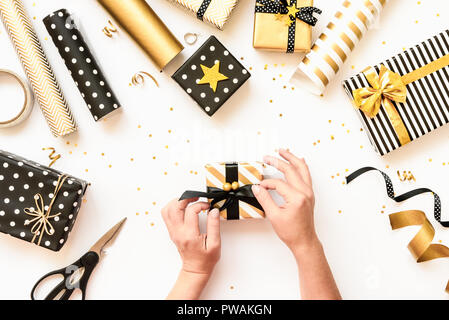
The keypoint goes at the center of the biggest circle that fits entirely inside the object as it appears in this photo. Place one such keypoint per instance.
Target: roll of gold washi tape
(146, 28)
(27, 104)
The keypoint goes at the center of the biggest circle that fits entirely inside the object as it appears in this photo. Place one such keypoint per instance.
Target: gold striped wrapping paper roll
(37, 68)
(333, 46)
(249, 173)
(217, 13)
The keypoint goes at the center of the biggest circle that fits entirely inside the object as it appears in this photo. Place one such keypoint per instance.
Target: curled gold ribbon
(139, 78)
(406, 176)
(109, 30)
(42, 216)
(421, 246)
(388, 86)
(52, 156)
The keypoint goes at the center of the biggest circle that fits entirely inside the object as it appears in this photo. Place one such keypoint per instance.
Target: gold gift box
(272, 34)
(248, 173)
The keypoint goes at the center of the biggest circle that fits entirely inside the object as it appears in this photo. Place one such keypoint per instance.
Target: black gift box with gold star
(211, 76)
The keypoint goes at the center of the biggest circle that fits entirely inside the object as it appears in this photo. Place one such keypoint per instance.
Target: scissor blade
(108, 236)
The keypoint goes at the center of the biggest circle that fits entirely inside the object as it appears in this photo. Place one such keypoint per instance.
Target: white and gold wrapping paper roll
(37, 68)
(332, 48)
(248, 173)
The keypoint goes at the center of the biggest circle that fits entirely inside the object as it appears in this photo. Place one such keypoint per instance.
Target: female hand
(199, 252)
(293, 221)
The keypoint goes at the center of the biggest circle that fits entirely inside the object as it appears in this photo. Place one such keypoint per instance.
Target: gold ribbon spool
(139, 79)
(27, 104)
(421, 246)
(109, 30)
(388, 87)
(41, 216)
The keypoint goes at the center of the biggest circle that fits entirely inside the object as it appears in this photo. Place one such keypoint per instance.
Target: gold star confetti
(212, 76)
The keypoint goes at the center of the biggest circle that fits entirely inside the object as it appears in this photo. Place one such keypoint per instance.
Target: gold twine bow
(421, 246)
(388, 86)
(109, 30)
(41, 215)
(406, 176)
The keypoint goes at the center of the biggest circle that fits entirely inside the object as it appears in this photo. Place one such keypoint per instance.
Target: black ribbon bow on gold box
(288, 12)
(236, 188)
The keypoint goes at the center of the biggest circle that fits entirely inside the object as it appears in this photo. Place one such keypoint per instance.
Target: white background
(368, 259)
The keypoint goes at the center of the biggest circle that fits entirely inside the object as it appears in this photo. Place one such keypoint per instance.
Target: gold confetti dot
(271, 101)
(150, 136)
(87, 170)
(383, 42)
(154, 203)
(152, 224)
(330, 121)
(430, 160)
(138, 189)
(146, 212)
(139, 126)
(339, 211)
(169, 131)
(137, 213)
(280, 115)
(274, 79)
(361, 147)
(102, 154)
(67, 143)
(132, 159)
(154, 157)
(110, 166)
(171, 109)
(85, 153)
(231, 287)
(250, 68)
(70, 152)
(332, 138)
(165, 173)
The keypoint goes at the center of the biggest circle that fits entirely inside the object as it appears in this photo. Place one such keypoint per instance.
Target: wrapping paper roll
(146, 28)
(81, 63)
(334, 45)
(37, 68)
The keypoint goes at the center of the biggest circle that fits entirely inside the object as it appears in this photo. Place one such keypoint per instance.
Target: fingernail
(282, 150)
(255, 188)
(214, 213)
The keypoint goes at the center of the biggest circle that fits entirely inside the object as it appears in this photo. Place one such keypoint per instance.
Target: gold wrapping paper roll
(37, 68)
(332, 48)
(272, 34)
(146, 28)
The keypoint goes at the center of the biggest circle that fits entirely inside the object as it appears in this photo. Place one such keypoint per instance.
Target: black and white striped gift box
(427, 106)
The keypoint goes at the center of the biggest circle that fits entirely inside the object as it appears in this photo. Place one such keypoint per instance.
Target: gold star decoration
(292, 11)
(212, 76)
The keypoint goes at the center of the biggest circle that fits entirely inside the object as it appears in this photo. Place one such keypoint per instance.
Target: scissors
(77, 274)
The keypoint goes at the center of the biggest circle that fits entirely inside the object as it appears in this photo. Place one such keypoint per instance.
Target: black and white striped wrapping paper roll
(80, 61)
(427, 106)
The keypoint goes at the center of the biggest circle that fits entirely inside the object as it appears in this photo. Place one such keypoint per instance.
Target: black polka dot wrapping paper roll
(37, 204)
(211, 75)
(82, 65)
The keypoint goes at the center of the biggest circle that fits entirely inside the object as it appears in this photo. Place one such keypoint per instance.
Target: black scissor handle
(66, 288)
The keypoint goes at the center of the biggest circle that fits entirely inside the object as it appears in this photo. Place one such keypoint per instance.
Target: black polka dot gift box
(37, 204)
(81, 63)
(211, 76)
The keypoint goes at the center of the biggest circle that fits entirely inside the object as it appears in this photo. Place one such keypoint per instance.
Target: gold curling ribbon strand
(109, 30)
(139, 79)
(421, 246)
(406, 176)
(41, 216)
(52, 156)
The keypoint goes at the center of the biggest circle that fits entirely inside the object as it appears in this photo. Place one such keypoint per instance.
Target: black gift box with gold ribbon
(404, 97)
(37, 204)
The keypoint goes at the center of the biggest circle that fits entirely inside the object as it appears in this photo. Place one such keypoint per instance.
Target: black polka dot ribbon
(81, 63)
(281, 6)
(203, 8)
(402, 197)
